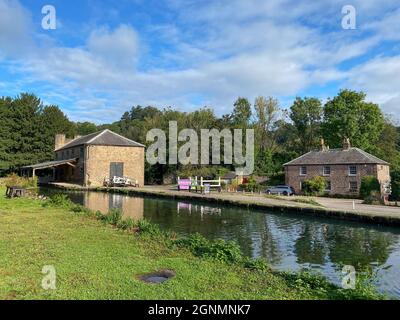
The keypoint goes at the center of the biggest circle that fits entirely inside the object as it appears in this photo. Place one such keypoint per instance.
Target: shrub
(147, 227)
(60, 200)
(113, 217)
(15, 180)
(252, 185)
(373, 198)
(256, 264)
(314, 186)
(227, 251)
(369, 185)
(126, 224)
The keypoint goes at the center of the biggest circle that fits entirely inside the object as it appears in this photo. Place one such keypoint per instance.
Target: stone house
(342, 169)
(88, 160)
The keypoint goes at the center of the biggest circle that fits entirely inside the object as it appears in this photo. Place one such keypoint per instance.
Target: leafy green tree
(266, 113)
(349, 115)
(6, 139)
(241, 114)
(85, 128)
(306, 114)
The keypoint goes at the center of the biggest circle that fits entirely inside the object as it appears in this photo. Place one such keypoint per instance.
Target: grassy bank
(95, 258)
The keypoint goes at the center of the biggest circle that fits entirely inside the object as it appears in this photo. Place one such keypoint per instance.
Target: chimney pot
(346, 144)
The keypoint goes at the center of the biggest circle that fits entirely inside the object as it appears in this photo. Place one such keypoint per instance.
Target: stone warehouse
(90, 159)
(342, 169)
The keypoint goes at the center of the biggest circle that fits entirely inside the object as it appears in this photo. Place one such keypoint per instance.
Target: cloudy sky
(105, 56)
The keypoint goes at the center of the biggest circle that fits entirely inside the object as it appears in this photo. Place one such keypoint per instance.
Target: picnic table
(15, 191)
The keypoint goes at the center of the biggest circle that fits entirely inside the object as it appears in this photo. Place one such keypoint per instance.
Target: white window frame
(353, 189)
(301, 171)
(353, 174)
(324, 173)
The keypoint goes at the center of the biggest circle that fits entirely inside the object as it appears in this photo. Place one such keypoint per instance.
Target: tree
(56, 122)
(306, 114)
(348, 115)
(6, 140)
(241, 113)
(395, 183)
(85, 128)
(266, 110)
(387, 147)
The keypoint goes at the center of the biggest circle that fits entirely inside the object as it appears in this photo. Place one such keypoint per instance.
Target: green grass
(95, 260)
(308, 201)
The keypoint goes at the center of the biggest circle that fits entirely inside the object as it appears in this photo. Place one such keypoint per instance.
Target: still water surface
(287, 241)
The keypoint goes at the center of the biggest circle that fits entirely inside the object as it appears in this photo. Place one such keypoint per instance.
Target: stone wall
(98, 159)
(69, 174)
(339, 176)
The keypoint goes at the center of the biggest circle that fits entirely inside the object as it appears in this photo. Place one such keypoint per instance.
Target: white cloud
(118, 47)
(212, 53)
(380, 78)
(15, 29)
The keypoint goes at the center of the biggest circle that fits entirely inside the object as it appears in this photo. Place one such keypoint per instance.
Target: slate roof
(102, 138)
(336, 156)
(229, 175)
(49, 164)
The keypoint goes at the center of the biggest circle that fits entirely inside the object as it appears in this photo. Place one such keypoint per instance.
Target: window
(326, 171)
(352, 170)
(81, 152)
(303, 171)
(328, 186)
(353, 186)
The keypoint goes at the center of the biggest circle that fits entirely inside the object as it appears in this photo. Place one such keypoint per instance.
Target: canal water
(287, 241)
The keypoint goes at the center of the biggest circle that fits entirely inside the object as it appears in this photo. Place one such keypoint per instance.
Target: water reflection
(286, 241)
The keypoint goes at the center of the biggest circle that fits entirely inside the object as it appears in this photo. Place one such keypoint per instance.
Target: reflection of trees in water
(341, 244)
(276, 236)
(359, 246)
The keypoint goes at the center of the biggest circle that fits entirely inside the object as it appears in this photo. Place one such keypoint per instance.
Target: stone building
(88, 160)
(342, 169)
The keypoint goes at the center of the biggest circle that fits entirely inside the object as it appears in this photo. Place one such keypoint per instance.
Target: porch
(52, 171)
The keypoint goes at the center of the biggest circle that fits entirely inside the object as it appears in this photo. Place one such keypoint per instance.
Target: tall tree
(349, 115)
(241, 114)
(306, 114)
(266, 113)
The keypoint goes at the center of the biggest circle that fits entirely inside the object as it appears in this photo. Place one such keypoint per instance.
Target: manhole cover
(158, 276)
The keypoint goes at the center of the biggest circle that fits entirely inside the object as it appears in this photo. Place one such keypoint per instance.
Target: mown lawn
(96, 261)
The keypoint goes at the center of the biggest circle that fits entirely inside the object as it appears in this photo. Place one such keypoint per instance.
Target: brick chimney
(60, 141)
(322, 146)
(346, 144)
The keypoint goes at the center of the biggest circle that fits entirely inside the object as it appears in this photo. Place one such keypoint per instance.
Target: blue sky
(106, 56)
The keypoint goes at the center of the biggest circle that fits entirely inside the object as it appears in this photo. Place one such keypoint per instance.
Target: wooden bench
(15, 191)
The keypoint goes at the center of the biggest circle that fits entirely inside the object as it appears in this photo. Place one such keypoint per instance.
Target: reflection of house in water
(196, 208)
(130, 206)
